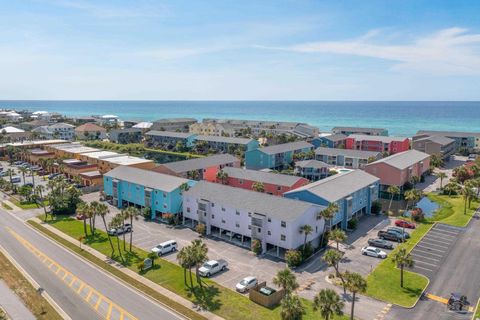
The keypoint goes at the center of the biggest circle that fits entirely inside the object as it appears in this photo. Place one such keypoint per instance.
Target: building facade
(353, 192)
(358, 130)
(62, 131)
(469, 141)
(227, 144)
(275, 157)
(383, 144)
(146, 189)
(242, 215)
(439, 145)
(90, 131)
(354, 159)
(336, 140)
(124, 136)
(169, 139)
(173, 124)
(312, 170)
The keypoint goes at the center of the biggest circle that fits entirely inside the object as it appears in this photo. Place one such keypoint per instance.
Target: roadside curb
(44, 293)
(145, 281)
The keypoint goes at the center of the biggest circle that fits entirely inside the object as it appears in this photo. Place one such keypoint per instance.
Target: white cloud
(452, 51)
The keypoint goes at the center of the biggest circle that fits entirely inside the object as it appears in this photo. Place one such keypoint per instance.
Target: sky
(240, 50)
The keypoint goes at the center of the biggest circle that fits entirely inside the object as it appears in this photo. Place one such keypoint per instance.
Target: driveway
(432, 183)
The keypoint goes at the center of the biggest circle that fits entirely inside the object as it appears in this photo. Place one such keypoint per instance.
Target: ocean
(400, 118)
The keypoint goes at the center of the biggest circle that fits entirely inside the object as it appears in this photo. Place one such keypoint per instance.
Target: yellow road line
(442, 300)
(49, 263)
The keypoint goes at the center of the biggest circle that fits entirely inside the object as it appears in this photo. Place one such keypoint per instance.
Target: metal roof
(403, 160)
(350, 153)
(339, 186)
(146, 178)
(261, 176)
(172, 134)
(232, 140)
(200, 163)
(285, 147)
(252, 201)
(312, 164)
(384, 139)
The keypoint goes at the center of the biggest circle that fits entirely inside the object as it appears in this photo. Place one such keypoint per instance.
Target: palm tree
(116, 223)
(258, 186)
(306, 230)
(442, 175)
(292, 308)
(414, 180)
(199, 255)
(327, 214)
(436, 160)
(222, 176)
(329, 303)
(451, 188)
(102, 211)
(10, 172)
(333, 258)
(467, 194)
(286, 280)
(39, 190)
(185, 260)
(337, 235)
(402, 259)
(23, 171)
(393, 190)
(81, 210)
(412, 195)
(132, 213)
(355, 284)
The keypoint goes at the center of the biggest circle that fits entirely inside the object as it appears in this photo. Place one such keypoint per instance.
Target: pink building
(390, 145)
(399, 168)
(274, 183)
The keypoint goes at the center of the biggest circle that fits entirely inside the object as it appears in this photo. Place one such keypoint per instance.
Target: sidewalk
(132, 274)
(12, 304)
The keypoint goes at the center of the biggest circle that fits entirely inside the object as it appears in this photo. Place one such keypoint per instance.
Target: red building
(390, 145)
(273, 183)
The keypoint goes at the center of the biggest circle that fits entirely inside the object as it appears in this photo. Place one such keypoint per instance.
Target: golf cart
(457, 302)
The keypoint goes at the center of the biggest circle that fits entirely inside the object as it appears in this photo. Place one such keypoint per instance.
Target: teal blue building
(169, 138)
(275, 157)
(128, 186)
(354, 192)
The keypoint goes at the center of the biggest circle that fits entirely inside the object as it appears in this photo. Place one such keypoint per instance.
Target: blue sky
(240, 50)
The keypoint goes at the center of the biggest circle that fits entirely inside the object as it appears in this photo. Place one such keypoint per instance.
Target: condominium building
(227, 144)
(439, 145)
(358, 130)
(124, 136)
(312, 170)
(62, 131)
(90, 131)
(353, 192)
(276, 157)
(469, 141)
(354, 159)
(143, 188)
(384, 144)
(242, 216)
(173, 124)
(169, 139)
(336, 140)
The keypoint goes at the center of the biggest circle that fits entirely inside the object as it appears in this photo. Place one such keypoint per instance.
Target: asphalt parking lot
(434, 247)
(39, 180)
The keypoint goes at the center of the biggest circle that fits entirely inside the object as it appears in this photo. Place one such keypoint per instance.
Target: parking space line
(423, 257)
(432, 237)
(445, 235)
(423, 268)
(430, 264)
(433, 254)
(422, 246)
(433, 244)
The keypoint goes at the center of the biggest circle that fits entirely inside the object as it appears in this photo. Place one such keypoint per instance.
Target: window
(279, 188)
(164, 206)
(213, 216)
(259, 230)
(283, 237)
(269, 220)
(283, 224)
(249, 227)
(156, 202)
(237, 213)
(240, 181)
(164, 195)
(223, 221)
(249, 214)
(237, 225)
(213, 204)
(269, 233)
(223, 209)
(316, 229)
(188, 209)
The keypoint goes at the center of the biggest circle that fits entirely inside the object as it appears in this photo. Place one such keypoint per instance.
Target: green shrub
(201, 229)
(256, 246)
(352, 224)
(294, 258)
(307, 251)
(376, 207)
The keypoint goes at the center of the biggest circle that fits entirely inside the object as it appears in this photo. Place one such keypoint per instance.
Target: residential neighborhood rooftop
(335, 137)
(403, 160)
(200, 163)
(361, 129)
(346, 152)
(172, 134)
(126, 160)
(87, 127)
(232, 140)
(453, 134)
(340, 185)
(255, 202)
(384, 139)
(442, 140)
(149, 179)
(261, 176)
(316, 164)
(285, 147)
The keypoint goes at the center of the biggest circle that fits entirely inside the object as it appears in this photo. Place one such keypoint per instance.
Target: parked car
(246, 284)
(392, 236)
(405, 224)
(165, 247)
(380, 243)
(53, 176)
(406, 235)
(29, 184)
(374, 252)
(16, 179)
(17, 163)
(3, 173)
(211, 267)
(120, 230)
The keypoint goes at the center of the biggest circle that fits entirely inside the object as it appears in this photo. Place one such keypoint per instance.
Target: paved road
(459, 272)
(80, 289)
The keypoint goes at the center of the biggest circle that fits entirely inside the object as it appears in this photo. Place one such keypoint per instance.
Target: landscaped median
(216, 298)
(384, 281)
(451, 210)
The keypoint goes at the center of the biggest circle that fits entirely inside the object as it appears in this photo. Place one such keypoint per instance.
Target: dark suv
(392, 236)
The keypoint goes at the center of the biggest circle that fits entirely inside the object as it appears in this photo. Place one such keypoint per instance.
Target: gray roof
(441, 140)
(261, 176)
(200, 163)
(284, 147)
(175, 120)
(252, 201)
(147, 178)
(172, 134)
(340, 185)
(224, 139)
(335, 137)
(61, 125)
(384, 139)
(346, 152)
(452, 134)
(359, 129)
(312, 164)
(403, 160)
(125, 130)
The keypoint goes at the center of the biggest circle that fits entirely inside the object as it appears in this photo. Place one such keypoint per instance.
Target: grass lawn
(452, 210)
(6, 206)
(384, 281)
(40, 308)
(25, 205)
(216, 298)
(477, 310)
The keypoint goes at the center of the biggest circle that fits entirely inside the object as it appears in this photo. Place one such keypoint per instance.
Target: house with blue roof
(353, 192)
(129, 186)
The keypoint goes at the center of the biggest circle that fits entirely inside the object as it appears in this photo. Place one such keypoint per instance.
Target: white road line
(436, 238)
(422, 246)
(434, 244)
(423, 268)
(433, 254)
(423, 257)
(422, 262)
(446, 231)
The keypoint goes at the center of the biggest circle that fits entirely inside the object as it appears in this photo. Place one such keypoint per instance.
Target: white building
(241, 215)
(62, 131)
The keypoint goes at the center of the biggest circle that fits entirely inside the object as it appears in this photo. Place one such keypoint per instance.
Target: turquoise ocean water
(400, 118)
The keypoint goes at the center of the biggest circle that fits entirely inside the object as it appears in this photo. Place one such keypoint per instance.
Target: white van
(165, 247)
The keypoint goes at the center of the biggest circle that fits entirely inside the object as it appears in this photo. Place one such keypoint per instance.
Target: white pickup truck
(211, 267)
